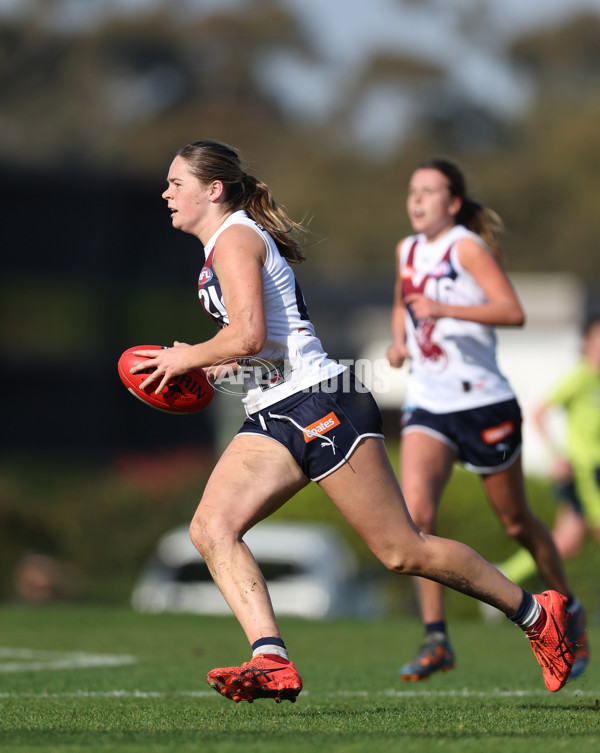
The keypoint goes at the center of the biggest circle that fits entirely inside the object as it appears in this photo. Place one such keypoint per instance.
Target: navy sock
(268, 642)
(525, 606)
(572, 603)
(530, 615)
(435, 627)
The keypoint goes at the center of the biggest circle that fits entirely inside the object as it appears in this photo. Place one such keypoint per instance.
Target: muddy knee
(205, 535)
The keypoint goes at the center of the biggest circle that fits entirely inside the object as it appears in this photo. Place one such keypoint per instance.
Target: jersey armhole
(455, 261)
(252, 226)
(263, 236)
(403, 249)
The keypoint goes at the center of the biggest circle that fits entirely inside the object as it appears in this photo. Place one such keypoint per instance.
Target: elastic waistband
(292, 401)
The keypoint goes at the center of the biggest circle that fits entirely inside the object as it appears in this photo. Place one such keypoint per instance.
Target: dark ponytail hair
(475, 217)
(210, 160)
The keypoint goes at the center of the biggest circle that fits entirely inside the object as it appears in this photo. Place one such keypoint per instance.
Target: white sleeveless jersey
(453, 362)
(292, 358)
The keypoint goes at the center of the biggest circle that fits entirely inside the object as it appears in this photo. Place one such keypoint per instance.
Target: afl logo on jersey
(443, 269)
(206, 275)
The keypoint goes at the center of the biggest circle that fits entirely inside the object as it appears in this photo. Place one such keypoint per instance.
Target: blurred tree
(565, 59)
(545, 180)
(126, 92)
(121, 96)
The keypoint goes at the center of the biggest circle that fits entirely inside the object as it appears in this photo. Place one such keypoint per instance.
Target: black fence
(91, 266)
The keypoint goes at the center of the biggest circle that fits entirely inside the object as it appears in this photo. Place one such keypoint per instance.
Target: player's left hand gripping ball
(188, 393)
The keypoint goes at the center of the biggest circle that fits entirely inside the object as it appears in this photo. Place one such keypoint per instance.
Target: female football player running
(307, 419)
(450, 294)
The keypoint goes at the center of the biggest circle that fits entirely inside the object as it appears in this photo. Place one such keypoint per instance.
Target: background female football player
(450, 293)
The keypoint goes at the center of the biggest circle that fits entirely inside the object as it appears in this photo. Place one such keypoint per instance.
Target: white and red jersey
(292, 358)
(453, 362)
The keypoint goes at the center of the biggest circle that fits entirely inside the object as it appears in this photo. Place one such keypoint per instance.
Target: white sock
(271, 649)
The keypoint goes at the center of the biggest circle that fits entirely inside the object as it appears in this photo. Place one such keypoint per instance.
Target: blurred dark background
(92, 260)
(93, 106)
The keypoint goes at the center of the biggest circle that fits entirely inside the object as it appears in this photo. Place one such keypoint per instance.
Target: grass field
(106, 679)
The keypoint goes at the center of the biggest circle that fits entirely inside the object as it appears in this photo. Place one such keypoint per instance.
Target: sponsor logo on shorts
(322, 426)
(497, 433)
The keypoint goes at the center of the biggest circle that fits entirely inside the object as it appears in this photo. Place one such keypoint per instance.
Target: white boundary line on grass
(464, 693)
(28, 660)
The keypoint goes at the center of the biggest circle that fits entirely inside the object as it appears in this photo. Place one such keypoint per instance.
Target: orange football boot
(435, 654)
(261, 677)
(552, 647)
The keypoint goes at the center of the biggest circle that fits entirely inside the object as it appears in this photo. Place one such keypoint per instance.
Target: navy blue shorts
(320, 426)
(486, 439)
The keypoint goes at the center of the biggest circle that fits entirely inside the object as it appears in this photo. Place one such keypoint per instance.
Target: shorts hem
(481, 470)
(346, 456)
(431, 433)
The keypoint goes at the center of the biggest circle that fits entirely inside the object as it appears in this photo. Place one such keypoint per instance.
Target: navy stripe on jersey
(301, 303)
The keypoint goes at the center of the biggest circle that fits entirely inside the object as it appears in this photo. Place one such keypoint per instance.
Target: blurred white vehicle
(310, 570)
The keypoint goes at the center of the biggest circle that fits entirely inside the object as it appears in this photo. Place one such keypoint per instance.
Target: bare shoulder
(475, 256)
(239, 235)
(471, 248)
(240, 245)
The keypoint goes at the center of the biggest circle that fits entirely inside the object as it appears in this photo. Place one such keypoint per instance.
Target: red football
(188, 393)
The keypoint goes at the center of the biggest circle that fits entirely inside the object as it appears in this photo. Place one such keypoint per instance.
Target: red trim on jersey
(408, 271)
